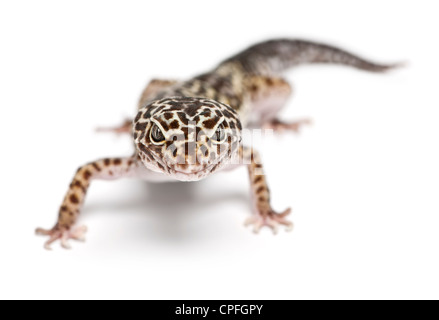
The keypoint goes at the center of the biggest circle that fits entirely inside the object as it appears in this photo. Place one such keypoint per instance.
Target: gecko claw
(62, 235)
(270, 219)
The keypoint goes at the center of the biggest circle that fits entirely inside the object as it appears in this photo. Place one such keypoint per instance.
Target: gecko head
(187, 138)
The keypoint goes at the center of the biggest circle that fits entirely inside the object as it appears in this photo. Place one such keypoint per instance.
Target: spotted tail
(275, 56)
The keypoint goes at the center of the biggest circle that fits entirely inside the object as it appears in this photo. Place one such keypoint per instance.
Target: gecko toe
(270, 219)
(62, 235)
(42, 232)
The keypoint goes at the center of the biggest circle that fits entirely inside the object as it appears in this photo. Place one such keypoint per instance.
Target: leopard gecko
(189, 130)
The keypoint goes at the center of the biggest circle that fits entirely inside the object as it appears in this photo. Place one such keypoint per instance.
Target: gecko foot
(124, 128)
(270, 219)
(281, 126)
(62, 235)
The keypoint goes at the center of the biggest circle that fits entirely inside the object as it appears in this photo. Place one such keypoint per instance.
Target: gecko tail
(276, 56)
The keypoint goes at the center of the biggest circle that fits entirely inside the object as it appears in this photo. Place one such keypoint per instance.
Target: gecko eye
(220, 135)
(156, 135)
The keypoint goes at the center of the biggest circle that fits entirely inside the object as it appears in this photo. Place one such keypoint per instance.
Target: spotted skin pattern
(109, 168)
(188, 124)
(188, 130)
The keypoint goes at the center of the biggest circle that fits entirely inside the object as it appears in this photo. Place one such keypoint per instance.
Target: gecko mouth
(170, 168)
(205, 169)
(191, 175)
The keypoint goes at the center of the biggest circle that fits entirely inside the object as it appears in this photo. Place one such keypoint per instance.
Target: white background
(363, 180)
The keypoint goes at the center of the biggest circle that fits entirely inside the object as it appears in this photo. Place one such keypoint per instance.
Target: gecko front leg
(106, 169)
(264, 215)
